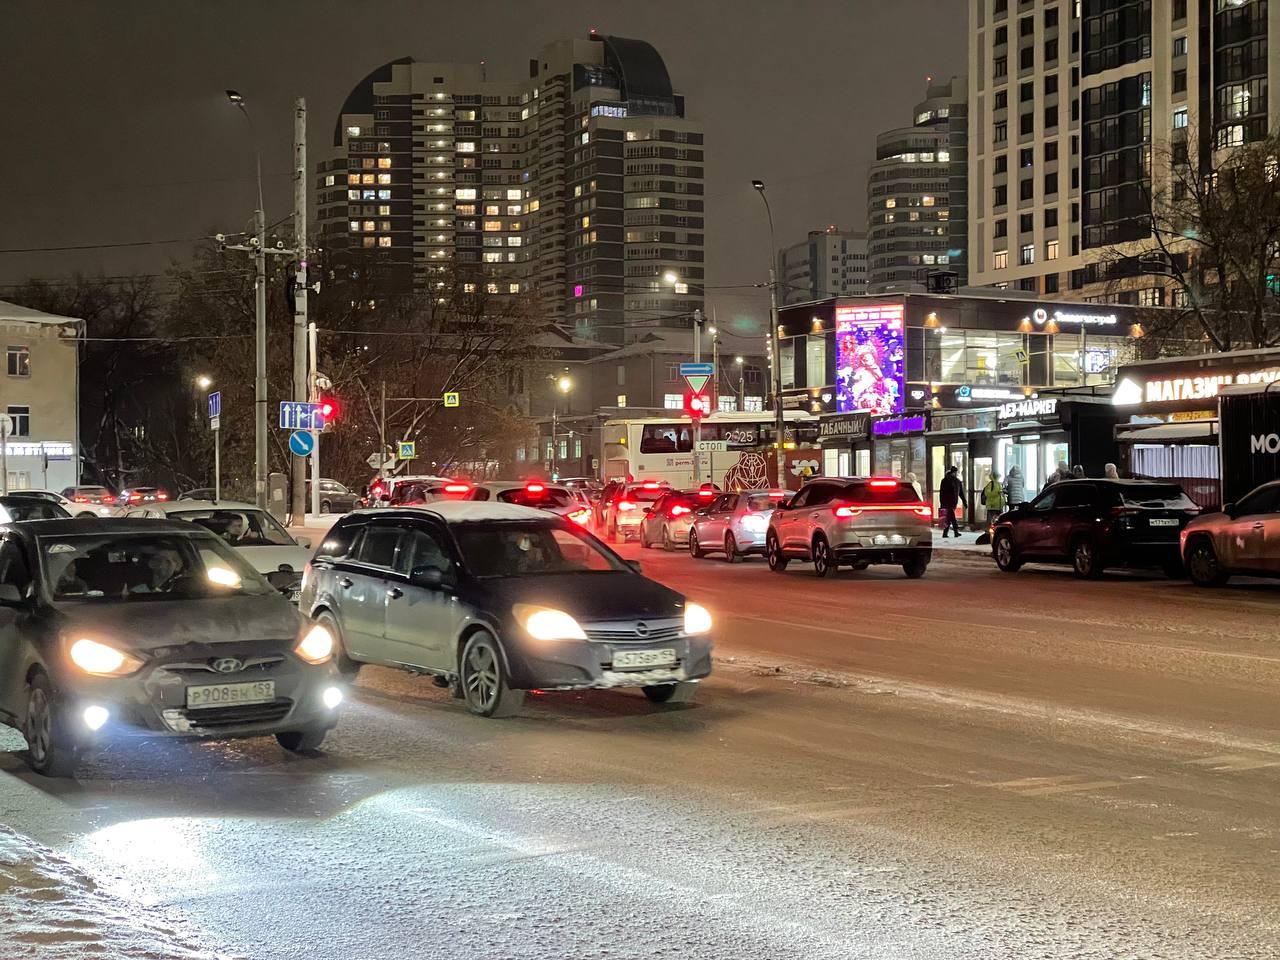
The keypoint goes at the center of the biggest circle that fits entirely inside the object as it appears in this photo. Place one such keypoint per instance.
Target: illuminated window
(533, 205)
(926, 201)
(384, 163)
(384, 210)
(353, 178)
(464, 193)
(368, 241)
(367, 226)
(384, 194)
(384, 178)
(1000, 260)
(492, 209)
(329, 180)
(353, 131)
(468, 288)
(384, 225)
(514, 195)
(384, 241)
(891, 202)
(586, 137)
(514, 210)
(586, 222)
(353, 194)
(367, 178)
(514, 241)
(355, 226)
(1051, 250)
(490, 287)
(492, 257)
(491, 225)
(1027, 255)
(513, 288)
(517, 225)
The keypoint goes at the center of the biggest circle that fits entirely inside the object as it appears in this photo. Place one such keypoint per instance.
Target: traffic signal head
(697, 405)
(328, 409)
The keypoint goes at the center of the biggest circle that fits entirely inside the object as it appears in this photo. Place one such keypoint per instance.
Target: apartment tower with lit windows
(580, 186)
(1082, 107)
(830, 263)
(917, 191)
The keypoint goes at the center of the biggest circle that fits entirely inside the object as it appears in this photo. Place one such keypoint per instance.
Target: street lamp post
(742, 399)
(260, 309)
(562, 386)
(204, 382)
(774, 343)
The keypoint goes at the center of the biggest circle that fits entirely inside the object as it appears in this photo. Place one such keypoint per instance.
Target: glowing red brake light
(678, 510)
(651, 485)
(80, 499)
(456, 488)
(162, 496)
(845, 513)
(923, 511)
(625, 505)
(706, 494)
(882, 484)
(535, 488)
(777, 494)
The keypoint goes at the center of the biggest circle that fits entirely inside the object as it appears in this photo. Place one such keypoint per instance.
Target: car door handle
(395, 593)
(344, 582)
(1259, 525)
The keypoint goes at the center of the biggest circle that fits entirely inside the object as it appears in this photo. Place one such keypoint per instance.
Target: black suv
(1094, 524)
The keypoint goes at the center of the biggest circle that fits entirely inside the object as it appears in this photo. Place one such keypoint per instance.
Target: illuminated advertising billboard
(870, 359)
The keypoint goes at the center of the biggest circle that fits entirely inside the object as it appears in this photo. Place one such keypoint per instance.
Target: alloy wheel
(38, 729)
(821, 558)
(481, 681)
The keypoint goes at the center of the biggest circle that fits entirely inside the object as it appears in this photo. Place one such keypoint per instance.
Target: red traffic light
(328, 408)
(697, 405)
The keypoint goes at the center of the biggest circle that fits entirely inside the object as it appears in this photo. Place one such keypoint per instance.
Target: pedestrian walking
(993, 496)
(950, 497)
(1015, 492)
(1062, 473)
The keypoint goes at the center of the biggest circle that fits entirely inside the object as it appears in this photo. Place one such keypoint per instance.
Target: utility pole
(313, 394)
(780, 425)
(382, 433)
(697, 421)
(260, 365)
(297, 503)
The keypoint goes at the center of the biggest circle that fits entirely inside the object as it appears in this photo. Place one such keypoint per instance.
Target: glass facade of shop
(1036, 455)
(991, 358)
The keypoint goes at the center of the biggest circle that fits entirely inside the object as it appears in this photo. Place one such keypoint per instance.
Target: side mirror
(1229, 509)
(433, 578)
(634, 565)
(304, 543)
(647, 510)
(10, 595)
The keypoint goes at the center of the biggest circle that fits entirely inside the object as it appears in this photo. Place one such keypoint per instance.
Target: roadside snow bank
(50, 909)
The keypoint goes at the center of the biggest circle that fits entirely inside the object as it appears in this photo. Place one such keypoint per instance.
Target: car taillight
(706, 494)
(925, 511)
(80, 499)
(456, 488)
(844, 513)
(678, 511)
(625, 505)
(919, 509)
(580, 516)
(777, 494)
(162, 496)
(883, 484)
(650, 486)
(534, 488)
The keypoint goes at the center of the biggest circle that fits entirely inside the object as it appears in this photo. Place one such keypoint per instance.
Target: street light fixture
(204, 382)
(563, 385)
(774, 343)
(670, 277)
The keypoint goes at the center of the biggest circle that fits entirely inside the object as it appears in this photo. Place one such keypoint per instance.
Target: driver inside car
(164, 567)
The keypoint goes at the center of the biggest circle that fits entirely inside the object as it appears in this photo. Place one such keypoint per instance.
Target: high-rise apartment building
(830, 263)
(917, 195)
(580, 186)
(1086, 107)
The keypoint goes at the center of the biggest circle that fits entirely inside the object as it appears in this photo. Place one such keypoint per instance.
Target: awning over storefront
(1194, 431)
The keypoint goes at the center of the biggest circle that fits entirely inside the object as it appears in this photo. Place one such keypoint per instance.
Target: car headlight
(696, 619)
(316, 645)
(102, 660)
(544, 623)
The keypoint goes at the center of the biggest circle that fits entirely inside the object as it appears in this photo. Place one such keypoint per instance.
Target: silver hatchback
(734, 524)
(854, 521)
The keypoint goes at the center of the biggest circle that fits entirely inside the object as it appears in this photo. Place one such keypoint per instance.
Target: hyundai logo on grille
(642, 629)
(227, 665)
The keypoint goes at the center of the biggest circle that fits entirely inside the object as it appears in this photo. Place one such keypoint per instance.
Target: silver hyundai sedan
(112, 629)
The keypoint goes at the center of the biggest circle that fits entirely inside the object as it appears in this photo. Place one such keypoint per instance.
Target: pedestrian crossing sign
(408, 450)
(452, 400)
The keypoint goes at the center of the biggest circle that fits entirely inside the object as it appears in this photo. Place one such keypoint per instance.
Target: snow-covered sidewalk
(51, 909)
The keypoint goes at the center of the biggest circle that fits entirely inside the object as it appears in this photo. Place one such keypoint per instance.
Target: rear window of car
(15, 509)
(1163, 496)
(761, 501)
(540, 499)
(647, 494)
(867, 492)
(337, 542)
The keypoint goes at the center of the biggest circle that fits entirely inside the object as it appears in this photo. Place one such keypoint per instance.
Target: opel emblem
(227, 665)
(642, 629)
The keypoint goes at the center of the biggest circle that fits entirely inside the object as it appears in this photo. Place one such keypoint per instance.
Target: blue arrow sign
(697, 370)
(215, 404)
(296, 415)
(301, 443)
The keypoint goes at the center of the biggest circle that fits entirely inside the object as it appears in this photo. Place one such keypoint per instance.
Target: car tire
(695, 551)
(774, 555)
(1085, 560)
(644, 541)
(485, 686)
(346, 666)
(1203, 565)
(915, 567)
(305, 742)
(681, 692)
(1006, 554)
(49, 752)
(667, 543)
(326, 506)
(823, 565)
(731, 554)
(85, 516)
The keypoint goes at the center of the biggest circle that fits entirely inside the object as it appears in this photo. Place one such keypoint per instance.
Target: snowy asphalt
(973, 765)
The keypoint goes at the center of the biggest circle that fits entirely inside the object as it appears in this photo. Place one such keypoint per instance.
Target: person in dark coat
(950, 496)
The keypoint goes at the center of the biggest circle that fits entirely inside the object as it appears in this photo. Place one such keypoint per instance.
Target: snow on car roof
(178, 506)
(469, 511)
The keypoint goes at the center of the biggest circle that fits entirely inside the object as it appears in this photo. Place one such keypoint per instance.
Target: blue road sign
(301, 443)
(697, 370)
(215, 404)
(296, 415)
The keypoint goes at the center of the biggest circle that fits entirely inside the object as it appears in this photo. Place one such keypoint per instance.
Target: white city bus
(661, 448)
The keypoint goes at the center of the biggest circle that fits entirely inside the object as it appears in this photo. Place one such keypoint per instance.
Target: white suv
(852, 521)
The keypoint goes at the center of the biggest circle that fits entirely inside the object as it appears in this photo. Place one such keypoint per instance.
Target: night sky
(118, 129)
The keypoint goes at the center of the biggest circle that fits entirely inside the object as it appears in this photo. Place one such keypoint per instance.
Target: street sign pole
(697, 421)
(217, 465)
(6, 427)
(313, 390)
